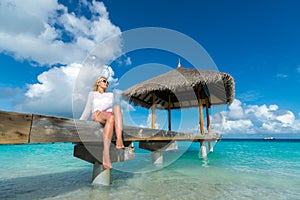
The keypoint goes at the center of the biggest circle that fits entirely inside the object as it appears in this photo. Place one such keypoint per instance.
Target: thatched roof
(182, 85)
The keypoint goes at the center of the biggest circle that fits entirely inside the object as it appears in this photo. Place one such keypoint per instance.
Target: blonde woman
(101, 104)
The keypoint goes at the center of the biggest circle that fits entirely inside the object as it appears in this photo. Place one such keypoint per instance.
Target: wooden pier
(87, 136)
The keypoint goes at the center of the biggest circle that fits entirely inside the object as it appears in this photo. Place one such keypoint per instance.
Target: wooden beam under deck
(18, 128)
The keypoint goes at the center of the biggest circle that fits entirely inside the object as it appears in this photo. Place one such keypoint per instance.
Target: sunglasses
(104, 81)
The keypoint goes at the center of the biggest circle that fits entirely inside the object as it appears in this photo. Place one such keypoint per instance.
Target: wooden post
(203, 149)
(157, 157)
(200, 111)
(153, 111)
(210, 146)
(207, 114)
(101, 176)
(157, 148)
(169, 112)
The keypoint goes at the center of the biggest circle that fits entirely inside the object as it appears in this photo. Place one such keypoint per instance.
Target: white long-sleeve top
(97, 101)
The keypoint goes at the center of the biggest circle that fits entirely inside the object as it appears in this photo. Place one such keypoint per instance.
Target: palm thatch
(182, 88)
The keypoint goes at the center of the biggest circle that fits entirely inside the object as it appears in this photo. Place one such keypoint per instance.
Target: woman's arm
(88, 107)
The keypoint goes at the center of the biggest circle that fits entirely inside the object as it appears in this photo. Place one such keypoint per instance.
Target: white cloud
(160, 120)
(235, 110)
(250, 95)
(149, 122)
(128, 61)
(63, 90)
(53, 93)
(37, 30)
(261, 112)
(282, 75)
(124, 61)
(237, 125)
(240, 119)
(286, 119)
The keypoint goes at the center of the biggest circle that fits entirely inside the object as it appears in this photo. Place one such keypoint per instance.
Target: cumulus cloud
(53, 93)
(236, 111)
(57, 93)
(74, 47)
(37, 30)
(241, 118)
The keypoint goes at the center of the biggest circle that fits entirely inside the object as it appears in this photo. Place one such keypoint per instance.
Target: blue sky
(42, 47)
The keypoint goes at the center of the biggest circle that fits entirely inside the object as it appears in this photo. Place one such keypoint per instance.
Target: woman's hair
(95, 87)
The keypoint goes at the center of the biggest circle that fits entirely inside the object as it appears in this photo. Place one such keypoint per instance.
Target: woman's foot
(106, 161)
(119, 144)
(107, 166)
(120, 147)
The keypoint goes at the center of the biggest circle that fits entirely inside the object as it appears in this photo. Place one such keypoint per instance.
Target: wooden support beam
(158, 145)
(210, 146)
(169, 112)
(157, 148)
(92, 153)
(101, 176)
(207, 114)
(153, 111)
(157, 157)
(201, 121)
(203, 149)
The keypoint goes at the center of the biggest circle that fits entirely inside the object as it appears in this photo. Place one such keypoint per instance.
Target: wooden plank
(14, 127)
(132, 133)
(54, 129)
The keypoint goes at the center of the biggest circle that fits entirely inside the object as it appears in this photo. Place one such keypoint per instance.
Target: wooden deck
(20, 128)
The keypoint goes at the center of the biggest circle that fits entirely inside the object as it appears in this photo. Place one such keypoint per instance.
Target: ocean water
(237, 169)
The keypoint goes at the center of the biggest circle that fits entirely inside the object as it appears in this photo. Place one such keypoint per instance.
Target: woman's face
(103, 83)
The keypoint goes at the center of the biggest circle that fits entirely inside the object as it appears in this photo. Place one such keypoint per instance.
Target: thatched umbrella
(183, 88)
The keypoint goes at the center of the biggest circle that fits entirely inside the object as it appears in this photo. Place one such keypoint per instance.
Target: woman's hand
(96, 114)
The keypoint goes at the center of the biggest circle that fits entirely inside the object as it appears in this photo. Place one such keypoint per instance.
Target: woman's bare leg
(107, 136)
(118, 126)
(109, 121)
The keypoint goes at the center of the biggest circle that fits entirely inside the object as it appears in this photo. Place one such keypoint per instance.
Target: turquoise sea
(237, 169)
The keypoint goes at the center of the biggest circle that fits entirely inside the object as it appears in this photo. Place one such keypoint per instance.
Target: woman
(100, 103)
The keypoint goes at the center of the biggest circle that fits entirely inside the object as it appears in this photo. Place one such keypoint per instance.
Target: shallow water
(235, 170)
